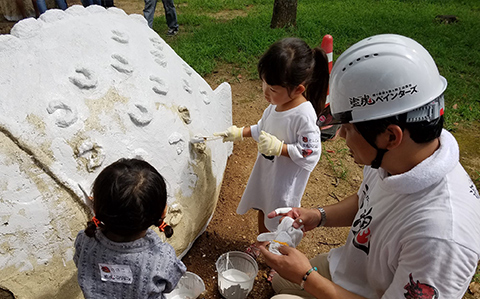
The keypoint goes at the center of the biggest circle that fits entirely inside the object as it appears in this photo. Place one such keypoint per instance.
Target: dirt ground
(335, 177)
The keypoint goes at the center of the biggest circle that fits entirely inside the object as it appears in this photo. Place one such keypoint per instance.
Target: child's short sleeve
(307, 149)
(169, 270)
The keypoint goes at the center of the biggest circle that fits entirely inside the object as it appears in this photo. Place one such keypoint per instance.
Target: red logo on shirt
(361, 225)
(306, 152)
(417, 290)
(305, 139)
(105, 269)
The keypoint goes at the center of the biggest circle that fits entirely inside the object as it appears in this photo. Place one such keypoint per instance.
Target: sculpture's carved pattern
(176, 140)
(157, 54)
(187, 69)
(175, 214)
(121, 64)
(67, 116)
(93, 153)
(159, 58)
(84, 79)
(157, 43)
(161, 62)
(93, 113)
(184, 114)
(120, 58)
(141, 116)
(120, 37)
(186, 86)
(161, 87)
(204, 96)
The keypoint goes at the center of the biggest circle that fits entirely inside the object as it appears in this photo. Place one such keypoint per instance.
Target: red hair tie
(96, 221)
(162, 226)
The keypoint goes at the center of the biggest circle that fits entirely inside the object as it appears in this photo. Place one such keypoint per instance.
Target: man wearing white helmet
(415, 221)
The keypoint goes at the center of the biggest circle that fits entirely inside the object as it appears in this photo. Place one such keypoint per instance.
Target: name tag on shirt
(116, 273)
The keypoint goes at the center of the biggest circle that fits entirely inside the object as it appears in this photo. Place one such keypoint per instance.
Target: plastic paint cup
(190, 286)
(236, 274)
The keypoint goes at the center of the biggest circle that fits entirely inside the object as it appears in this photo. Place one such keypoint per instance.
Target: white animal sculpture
(80, 89)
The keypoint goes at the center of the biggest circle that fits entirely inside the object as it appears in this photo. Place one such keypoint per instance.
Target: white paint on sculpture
(80, 89)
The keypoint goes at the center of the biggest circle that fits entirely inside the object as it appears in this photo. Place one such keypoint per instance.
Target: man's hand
(231, 134)
(309, 218)
(291, 265)
(269, 145)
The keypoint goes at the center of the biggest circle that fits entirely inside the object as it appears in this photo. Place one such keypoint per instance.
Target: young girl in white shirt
(295, 83)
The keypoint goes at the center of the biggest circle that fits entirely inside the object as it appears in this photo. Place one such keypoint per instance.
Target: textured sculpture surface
(80, 89)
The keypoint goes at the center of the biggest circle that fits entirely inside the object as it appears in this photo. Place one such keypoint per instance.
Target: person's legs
(283, 286)
(170, 14)
(35, 7)
(261, 222)
(91, 2)
(42, 6)
(253, 249)
(62, 4)
(149, 11)
(107, 3)
(21, 8)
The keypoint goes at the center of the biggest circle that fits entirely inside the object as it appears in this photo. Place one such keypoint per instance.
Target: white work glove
(285, 235)
(231, 134)
(269, 145)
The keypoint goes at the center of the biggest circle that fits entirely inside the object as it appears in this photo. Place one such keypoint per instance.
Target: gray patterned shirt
(147, 267)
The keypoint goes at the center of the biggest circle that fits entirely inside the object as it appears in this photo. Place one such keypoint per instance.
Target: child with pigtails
(295, 83)
(118, 255)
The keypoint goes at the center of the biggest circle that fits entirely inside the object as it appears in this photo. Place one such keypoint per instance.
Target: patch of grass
(477, 180)
(205, 40)
(337, 165)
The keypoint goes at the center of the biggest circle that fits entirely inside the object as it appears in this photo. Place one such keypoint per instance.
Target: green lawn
(238, 32)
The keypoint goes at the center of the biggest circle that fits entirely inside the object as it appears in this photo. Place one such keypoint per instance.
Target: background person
(170, 14)
(104, 3)
(42, 6)
(415, 221)
(86, 3)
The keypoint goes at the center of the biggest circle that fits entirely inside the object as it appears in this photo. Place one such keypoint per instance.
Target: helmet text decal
(383, 96)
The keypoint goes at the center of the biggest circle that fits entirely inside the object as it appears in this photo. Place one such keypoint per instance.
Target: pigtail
(317, 88)
(90, 229)
(165, 228)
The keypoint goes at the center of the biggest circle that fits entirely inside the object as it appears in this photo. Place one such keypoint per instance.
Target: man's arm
(293, 265)
(339, 214)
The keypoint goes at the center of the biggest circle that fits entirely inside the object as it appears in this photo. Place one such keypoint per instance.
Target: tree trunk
(284, 14)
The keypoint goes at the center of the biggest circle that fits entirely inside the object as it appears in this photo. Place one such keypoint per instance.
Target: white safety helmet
(385, 75)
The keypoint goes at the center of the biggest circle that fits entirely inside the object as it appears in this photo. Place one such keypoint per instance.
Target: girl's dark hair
(129, 196)
(290, 62)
